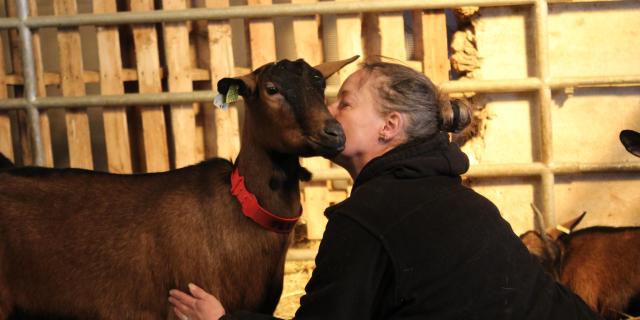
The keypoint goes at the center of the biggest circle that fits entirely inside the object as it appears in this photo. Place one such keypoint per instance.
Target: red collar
(252, 209)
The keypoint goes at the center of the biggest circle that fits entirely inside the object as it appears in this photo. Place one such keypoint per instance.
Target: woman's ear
(393, 128)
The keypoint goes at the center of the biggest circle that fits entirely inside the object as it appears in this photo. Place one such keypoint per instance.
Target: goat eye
(271, 90)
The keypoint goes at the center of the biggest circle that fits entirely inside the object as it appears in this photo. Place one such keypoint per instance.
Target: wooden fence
(183, 57)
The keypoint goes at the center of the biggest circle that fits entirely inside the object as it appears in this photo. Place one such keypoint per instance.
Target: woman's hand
(200, 305)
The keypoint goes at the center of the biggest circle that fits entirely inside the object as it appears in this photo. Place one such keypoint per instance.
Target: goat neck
(272, 177)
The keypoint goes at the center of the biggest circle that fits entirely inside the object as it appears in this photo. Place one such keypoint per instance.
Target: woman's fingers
(180, 314)
(198, 292)
(182, 297)
(185, 309)
(201, 305)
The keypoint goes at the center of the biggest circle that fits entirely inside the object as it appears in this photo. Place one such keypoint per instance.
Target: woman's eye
(271, 90)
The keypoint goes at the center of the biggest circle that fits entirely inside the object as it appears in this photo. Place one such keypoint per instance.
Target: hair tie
(456, 115)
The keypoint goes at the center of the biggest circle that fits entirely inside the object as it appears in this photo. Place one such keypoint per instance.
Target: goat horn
(539, 223)
(329, 68)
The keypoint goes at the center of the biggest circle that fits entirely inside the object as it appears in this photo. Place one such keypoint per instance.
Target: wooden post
(349, 41)
(72, 83)
(154, 151)
(315, 194)
(384, 35)
(430, 40)
(262, 38)
(306, 40)
(23, 126)
(183, 125)
(6, 144)
(225, 126)
(392, 42)
(116, 131)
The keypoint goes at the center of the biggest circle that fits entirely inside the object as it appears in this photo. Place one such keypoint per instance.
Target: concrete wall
(584, 40)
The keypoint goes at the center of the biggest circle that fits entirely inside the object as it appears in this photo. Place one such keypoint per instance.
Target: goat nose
(333, 129)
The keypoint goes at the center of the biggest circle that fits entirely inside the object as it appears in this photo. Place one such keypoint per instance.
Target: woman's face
(357, 110)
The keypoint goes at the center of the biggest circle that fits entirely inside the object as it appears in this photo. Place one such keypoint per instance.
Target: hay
(296, 276)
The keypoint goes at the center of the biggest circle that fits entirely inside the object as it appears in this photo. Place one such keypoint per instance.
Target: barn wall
(588, 39)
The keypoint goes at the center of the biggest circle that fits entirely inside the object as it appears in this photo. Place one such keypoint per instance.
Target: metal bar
(9, 23)
(507, 170)
(547, 179)
(113, 100)
(491, 86)
(524, 85)
(559, 83)
(512, 170)
(484, 86)
(267, 11)
(573, 168)
(33, 115)
(301, 254)
(330, 174)
(259, 11)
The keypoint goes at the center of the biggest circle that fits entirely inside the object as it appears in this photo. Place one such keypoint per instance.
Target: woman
(411, 241)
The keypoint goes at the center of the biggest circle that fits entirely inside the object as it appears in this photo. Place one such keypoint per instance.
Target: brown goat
(600, 264)
(631, 141)
(89, 245)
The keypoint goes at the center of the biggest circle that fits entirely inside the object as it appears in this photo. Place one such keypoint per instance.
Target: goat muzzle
(330, 142)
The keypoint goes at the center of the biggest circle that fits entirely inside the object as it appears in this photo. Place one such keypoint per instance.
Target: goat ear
(246, 84)
(329, 68)
(631, 141)
(555, 233)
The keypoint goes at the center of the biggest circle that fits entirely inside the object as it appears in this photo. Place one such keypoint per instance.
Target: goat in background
(600, 264)
(631, 141)
(81, 244)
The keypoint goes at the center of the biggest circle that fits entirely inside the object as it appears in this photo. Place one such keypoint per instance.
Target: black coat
(412, 243)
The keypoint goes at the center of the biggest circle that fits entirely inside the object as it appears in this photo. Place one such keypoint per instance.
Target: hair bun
(455, 114)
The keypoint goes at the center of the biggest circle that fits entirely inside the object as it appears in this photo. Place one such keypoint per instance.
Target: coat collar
(430, 156)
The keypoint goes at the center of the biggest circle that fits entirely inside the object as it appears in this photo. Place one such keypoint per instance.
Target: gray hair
(412, 94)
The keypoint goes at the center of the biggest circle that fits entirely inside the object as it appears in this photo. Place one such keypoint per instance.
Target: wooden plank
(22, 122)
(308, 44)
(315, 194)
(384, 35)
(176, 43)
(371, 34)
(200, 58)
(154, 149)
(6, 144)
(225, 126)
(116, 131)
(316, 198)
(71, 71)
(392, 42)
(430, 40)
(349, 41)
(262, 38)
